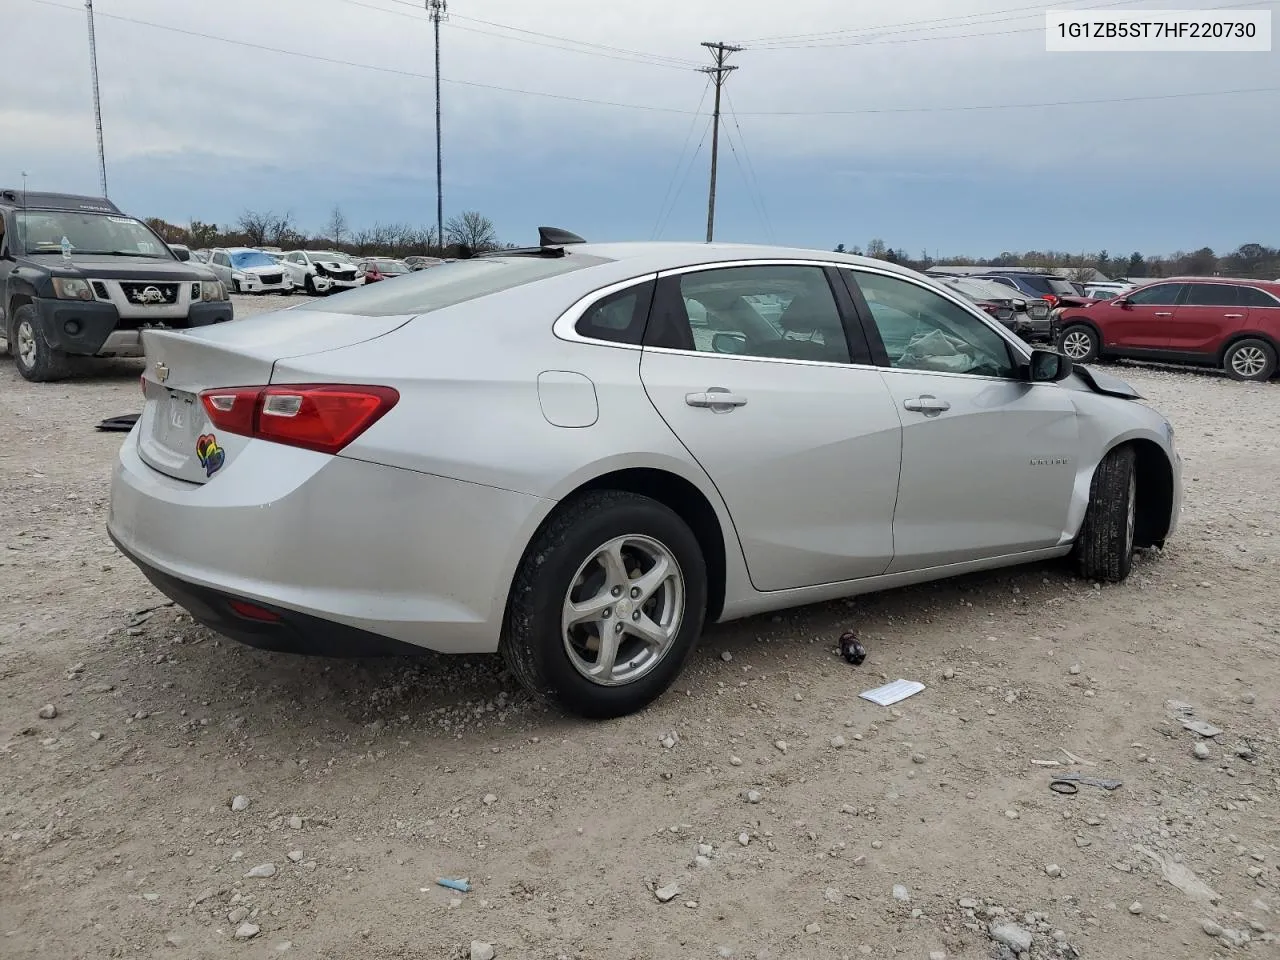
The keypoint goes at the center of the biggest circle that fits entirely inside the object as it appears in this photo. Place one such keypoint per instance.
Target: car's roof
(243, 250)
(56, 201)
(645, 256)
(1237, 281)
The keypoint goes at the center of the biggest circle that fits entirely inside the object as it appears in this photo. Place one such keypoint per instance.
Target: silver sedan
(580, 454)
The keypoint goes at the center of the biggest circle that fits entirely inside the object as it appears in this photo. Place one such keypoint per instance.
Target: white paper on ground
(891, 693)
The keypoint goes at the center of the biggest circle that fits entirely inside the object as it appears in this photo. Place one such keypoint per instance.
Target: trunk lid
(175, 436)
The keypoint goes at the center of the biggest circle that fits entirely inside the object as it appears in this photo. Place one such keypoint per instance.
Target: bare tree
(337, 226)
(203, 234)
(256, 226)
(281, 231)
(472, 229)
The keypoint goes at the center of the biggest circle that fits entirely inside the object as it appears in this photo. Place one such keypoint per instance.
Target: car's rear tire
(585, 556)
(32, 355)
(1104, 548)
(1251, 359)
(1079, 343)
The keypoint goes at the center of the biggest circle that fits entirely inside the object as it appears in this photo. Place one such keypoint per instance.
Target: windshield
(449, 284)
(330, 257)
(242, 259)
(41, 231)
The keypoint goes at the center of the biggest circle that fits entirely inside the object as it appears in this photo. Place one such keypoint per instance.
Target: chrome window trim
(565, 326)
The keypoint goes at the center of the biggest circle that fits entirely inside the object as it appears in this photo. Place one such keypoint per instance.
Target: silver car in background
(579, 454)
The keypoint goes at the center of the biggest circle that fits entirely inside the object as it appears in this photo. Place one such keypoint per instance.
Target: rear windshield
(449, 284)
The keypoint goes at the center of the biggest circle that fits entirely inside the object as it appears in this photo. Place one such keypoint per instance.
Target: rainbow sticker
(212, 456)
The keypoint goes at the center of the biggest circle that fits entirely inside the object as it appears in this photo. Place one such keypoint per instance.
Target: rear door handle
(1234, 316)
(718, 399)
(930, 406)
(1164, 313)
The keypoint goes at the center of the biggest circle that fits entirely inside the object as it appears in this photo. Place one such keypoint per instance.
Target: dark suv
(79, 278)
(1044, 286)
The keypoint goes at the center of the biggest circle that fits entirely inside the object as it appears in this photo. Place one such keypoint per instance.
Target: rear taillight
(1051, 299)
(324, 417)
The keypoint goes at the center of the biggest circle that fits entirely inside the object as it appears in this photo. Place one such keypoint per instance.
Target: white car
(252, 271)
(322, 271)
(1105, 291)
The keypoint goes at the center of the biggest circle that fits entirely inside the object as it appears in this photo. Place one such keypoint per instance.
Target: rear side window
(1253, 297)
(450, 284)
(1211, 295)
(619, 317)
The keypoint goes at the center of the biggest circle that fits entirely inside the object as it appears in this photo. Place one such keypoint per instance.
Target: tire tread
(1100, 552)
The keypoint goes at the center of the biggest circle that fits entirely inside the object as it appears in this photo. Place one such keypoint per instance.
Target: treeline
(257, 228)
(1251, 260)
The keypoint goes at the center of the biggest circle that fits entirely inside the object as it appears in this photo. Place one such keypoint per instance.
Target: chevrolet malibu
(539, 453)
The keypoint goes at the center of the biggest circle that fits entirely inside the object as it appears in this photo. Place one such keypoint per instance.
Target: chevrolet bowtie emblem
(162, 372)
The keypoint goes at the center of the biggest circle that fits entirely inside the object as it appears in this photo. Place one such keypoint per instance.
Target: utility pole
(719, 73)
(439, 11)
(97, 99)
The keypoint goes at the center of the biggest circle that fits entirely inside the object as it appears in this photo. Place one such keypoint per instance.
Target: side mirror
(729, 343)
(1121, 302)
(1046, 366)
(182, 254)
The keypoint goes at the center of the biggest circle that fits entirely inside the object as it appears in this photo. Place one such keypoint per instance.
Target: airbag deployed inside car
(936, 351)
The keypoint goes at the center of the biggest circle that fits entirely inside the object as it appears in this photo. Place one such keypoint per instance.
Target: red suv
(1209, 321)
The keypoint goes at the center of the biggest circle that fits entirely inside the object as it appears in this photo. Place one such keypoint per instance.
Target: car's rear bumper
(343, 550)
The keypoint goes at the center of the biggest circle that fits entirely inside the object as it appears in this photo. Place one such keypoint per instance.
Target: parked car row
(317, 272)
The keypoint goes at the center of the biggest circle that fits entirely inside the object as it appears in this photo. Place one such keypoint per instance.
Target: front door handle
(718, 399)
(1234, 316)
(930, 406)
(1163, 313)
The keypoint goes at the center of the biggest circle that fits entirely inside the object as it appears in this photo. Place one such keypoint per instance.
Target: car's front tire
(1104, 548)
(607, 604)
(1251, 359)
(32, 355)
(1079, 343)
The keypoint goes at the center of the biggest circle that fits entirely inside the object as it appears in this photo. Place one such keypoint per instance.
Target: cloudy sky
(847, 120)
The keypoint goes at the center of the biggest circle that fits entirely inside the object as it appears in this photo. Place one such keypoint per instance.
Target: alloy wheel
(1077, 344)
(27, 344)
(1248, 362)
(623, 610)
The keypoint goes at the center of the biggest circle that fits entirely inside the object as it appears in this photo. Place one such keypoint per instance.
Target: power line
(675, 174)
(552, 43)
(368, 66)
(688, 170)
(650, 107)
(751, 169)
(719, 73)
(1005, 106)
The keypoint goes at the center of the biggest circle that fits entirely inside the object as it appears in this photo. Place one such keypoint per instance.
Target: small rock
(239, 803)
(284, 946)
(726, 656)
(799, 698)
(948, 674)
(295, 856)
(482, 951)
(1249, 698)
(813, 928)
(937, 955)
(781, 745)
(967, 903)
(702, 861)
(668, 893)
(151, 897)
(1211, 928)
(705, 850)
(1136, 908)
(295, 823)
(837, 742)
(1075, 670)
(1053, 870)
(174, 939)
(261, 872)
(48, 711)
(1201, 750)
(744, 839)
(490, 799)
(901, 894)
(752, 796)
(832, 895)
(97, 735)
(735, 761)
(1012, 814)
(238, 915)
(917, 758)
(247, 931)
(1012, 936)
(669, 741)
(877, 844)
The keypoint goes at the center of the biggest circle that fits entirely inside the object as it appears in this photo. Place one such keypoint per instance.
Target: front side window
(41, 231)
(779, 312)
(923, 330)
(222, 259)
(1159, 295)
(1210, 295)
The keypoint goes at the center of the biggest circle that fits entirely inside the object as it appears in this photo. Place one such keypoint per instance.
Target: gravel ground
(793, 819)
